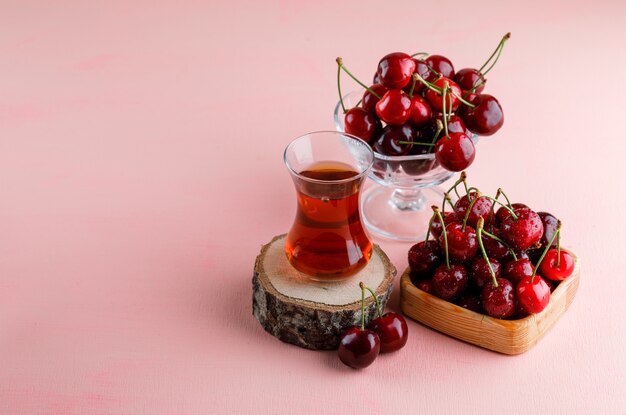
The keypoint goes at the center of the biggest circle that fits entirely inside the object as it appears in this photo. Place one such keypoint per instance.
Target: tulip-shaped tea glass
(400, 208)
(328, 241)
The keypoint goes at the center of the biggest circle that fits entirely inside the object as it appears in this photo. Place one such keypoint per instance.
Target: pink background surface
(140, 172)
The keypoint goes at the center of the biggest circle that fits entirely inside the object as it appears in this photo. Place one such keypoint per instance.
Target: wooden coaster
(311, 314)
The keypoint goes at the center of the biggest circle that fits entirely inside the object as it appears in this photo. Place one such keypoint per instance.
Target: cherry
(481, 208)
(495, 249)
(449, 282)
(455, 152)
(486, 117)
(394, 107)
(421, 113)
(390, 327)
(426, 286)
(461, 242)
(468, 78)
(523, 231)
(557, 272)
(362, 124)
(369, 100)
(504, 213)
(520, 311)
(358, 346)
(533, 293)
(479, 273)
(435, 99)
(395, 70)
(456, 125)
(441, 64)
(549, 226)
(470, 302)
(498, 299)
(518, 269)
(388, 142)
(435, 226)
(424, 257)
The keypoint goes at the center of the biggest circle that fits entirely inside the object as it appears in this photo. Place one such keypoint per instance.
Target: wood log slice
(311, 314)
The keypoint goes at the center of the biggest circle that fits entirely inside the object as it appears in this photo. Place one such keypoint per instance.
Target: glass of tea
(327, 240)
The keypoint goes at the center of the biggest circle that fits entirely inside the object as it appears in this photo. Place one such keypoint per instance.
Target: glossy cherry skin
(421, 113)
(467, 78)
(549, 227)
(388, 142)
(549, 269)
(498, 302)
(424, 258)
(481, 209)
(369, 100)
(358, 348)
(449, 283)
(479, 273)
(518, 269)
(441, 64)
(394, 107)
(524, 231)
(362, 124)
(426, 286)
(455, 125)
(533, 295)
(395, 70)
(436, 100)
(455, 152)
(392, 331)
(470, 302)
(503, 213)
(486, 118)
(494, 248)
(462, 244)
(435, 226)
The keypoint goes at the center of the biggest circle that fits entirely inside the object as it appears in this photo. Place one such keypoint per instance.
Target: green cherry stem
(502, 242)
(469, 104)
(505, 206)
(501, 192)
(413, 82)
(470, 207)
(362, 305)
(493, 208)
(500, 45)
(462, 177)
(428, 84)
(342, 66)
(558, 245)
(419, 54)
(343, 107)
(479, 233)
(446, 198)
(430, 224)
(444, 233)
(443, 108)
(545, 251)
(499, 50)
(378, 310)
(416, 142)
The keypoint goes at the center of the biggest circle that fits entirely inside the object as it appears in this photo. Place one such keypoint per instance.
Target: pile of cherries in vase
(360, 346)
(503, 263)
(403, 112)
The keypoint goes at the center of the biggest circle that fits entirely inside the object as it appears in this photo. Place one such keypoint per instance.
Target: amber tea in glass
(327, 240)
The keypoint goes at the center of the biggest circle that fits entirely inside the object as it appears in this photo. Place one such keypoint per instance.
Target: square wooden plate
(504, 336)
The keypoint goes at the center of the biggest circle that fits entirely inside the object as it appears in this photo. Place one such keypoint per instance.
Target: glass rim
(334, 132)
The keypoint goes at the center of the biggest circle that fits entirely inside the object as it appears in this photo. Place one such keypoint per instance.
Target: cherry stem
(558, 248)
(419, 54)
(500, 45)
(479, 233)
(416, 142)
(467, 192)
(362, 305)
(378, 310)
(343, 107)
(445, 236)
(499, 50)
(493, 208)
(500, 191)
(470, 207)
(443, 108)
(545, 251)
(505, 206)
(413, 82)
(459, 180)
(502, 242)
(446, 198)
(475, 87)
(428, 84)
(469, 104)
(430, 223)
(342, 66)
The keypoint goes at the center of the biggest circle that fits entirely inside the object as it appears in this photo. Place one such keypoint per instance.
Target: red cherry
(456, 125)
(394, 107)
(468, 78)
(449, 283)
(392, 331)
(494, 248)
(455, 152)
(362, 124)
(358, 348)
(436, 100)
(498, 302)
(462, 243)
(533, 294)
(470, 302)
(522, 232)
(551, 270)
(504, 213)
(479, 273)
(424, 258)
(518, 269)
(436, 228)
(549, 227)
(441, 64)
(426, 286)
(486, 117)
(421, 113)
(388, 142)
(395, 70)
(481, 208)
(369, 100)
